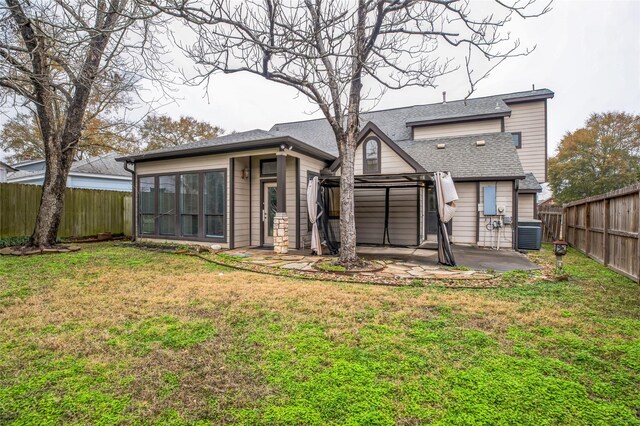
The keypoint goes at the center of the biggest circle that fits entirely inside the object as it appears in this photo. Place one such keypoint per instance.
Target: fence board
(606, 228)
(86, 211)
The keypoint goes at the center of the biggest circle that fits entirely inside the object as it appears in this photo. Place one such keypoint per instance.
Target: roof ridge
(418, 105)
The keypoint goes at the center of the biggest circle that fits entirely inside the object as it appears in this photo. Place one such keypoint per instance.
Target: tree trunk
(49, 216)
(348, 254)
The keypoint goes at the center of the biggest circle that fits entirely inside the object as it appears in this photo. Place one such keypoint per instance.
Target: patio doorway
(269, 208)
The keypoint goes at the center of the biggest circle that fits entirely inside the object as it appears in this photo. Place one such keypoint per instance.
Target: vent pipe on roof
(444, 97)
(533, 87)
(480, 143)
(440, 146)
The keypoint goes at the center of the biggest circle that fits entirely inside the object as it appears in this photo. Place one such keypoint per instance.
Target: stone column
(281, 220)
(281, 233)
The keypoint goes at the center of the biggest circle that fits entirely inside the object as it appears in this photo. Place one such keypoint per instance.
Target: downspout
(133, 199)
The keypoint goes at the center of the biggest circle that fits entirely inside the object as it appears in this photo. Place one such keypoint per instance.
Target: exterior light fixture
(559, 249)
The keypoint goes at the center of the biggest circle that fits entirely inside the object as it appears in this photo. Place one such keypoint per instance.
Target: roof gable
(369, 128)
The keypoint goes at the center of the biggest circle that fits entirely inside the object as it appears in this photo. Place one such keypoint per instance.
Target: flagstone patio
(398, 262)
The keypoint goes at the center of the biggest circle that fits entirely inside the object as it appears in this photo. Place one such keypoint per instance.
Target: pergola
(386, 182)
(403, 180)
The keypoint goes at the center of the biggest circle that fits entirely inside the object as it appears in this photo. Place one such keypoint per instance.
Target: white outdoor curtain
(312, 207)
(447, 195)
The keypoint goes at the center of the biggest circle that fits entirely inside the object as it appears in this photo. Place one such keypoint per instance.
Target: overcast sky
(588, 53)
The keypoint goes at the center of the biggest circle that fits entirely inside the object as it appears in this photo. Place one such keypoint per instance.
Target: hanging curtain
(312, 207)
(446, 197)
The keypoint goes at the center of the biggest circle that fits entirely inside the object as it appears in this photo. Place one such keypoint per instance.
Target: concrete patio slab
(476, 258)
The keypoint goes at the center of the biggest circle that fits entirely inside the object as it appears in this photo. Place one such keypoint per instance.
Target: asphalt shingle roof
(530, 183)
(461, 156)
(99, 165)
(393, 122)
(250, 135)
(464, 159)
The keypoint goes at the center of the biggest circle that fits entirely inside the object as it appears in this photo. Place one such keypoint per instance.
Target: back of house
(250, 188)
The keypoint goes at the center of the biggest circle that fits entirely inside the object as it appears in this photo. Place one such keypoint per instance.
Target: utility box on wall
(490, 208)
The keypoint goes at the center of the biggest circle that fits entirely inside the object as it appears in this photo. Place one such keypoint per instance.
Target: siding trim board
(232, 201)
(546, 143)
(298, 226)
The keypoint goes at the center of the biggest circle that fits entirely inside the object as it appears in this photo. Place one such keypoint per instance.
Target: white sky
(588, 53)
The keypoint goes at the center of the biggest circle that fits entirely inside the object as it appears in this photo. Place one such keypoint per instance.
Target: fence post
(605, 235)
(587, 228)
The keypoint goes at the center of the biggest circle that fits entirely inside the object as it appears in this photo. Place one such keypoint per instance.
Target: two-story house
(246, 188)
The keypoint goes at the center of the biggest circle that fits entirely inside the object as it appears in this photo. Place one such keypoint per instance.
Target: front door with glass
(269, 208)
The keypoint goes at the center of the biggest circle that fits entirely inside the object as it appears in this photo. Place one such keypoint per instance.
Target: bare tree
(330, 50)
(68, 61)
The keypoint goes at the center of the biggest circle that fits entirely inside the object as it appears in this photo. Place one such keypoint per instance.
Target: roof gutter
(231, 147)
(486, 178)
(528, 98)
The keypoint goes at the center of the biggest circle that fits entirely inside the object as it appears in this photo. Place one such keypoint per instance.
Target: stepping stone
(295, 266)
(292, 257)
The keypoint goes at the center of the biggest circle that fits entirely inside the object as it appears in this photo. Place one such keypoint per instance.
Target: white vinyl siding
(457, 129)
(526, 204)
(529, 118)
(241, 199)
(464, 222)
(504, 197)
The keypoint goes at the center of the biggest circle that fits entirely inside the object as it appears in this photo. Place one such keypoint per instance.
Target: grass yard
(114, 335)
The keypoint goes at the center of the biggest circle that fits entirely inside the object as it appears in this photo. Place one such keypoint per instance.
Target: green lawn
(114, 335)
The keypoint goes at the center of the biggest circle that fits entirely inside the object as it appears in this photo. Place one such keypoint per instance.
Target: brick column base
(281, 233)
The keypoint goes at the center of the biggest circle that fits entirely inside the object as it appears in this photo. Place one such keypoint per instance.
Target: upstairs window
(516, 138)
(371, 154)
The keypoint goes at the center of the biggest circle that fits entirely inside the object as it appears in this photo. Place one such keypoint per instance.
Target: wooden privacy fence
(607, 228)
(551, 217)
(86, 211)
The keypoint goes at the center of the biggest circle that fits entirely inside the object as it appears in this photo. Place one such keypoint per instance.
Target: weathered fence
(551, 217)
(86, 211)
(607, 228)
